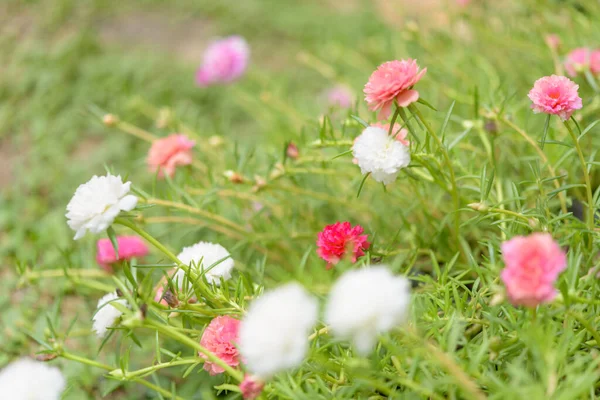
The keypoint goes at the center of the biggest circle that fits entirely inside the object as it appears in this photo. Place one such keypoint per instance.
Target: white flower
(96, 204)
(106, 314)
(380, 154)
(26, 379)
(204, 255)
(274, 332)
(366, 302)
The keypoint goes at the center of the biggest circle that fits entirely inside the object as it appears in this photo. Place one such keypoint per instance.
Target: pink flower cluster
(391, 82)
(166, 154)
(340, 240)
(220, 337)
(581, 60)
(129, 247)
(533, 264)
(556, 95)
(224, 61)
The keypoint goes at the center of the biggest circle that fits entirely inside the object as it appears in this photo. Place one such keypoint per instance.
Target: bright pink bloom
(224, 61)
(220, 337)
(583, 59)
(555, 95)
(251, 387)
(168, 153)
(340, 96)
(553, 41)
(399, 133)
(391, 81)
(533, 264)
(339, 239)
(129, 247)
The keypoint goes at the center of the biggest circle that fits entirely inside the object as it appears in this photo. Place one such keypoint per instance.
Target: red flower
(340, 239)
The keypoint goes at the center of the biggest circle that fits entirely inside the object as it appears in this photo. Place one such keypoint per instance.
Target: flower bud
(110, 120)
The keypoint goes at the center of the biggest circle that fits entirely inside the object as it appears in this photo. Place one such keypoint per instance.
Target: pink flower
(129, 247)
(340, 96)
(398, 132)
(463, 3)
(555, 95)
(581, 60)
(251, 387)
(224, 61)
(220, 337)
(553, 41)
(391, 81)
(533, 264)
(168, 153)
(339, 239)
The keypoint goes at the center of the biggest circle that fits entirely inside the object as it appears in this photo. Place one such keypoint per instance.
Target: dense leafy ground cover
(65, 64)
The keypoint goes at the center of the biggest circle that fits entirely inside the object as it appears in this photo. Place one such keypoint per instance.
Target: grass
(61, 69)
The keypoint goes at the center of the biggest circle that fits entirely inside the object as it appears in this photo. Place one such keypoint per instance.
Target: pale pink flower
(220, 337)
(552, 41)
(129, 247)
(533, 264)
(393, 80)
(556, 95)
(166, 154)
(398, 132)
(224, 61)
(340, 96)
(251, 387)
(463, 3)
(339, 240)
(581, 60)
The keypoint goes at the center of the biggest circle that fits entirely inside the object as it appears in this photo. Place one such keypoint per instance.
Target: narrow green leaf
(362, 183)
(360, 121)
(426, 104)
(112, 236)
(545, 133)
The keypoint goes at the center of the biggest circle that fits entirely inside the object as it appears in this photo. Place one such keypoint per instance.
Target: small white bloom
(380, 154)
(96, 204)
(26, 379)
(366, 302)
(106, 314)
(204, 255)
(274, 333)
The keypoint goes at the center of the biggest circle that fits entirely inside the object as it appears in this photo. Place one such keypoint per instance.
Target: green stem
(444, 150)
(586, 176)
(153, 368)
(394, 118)
(166, 330)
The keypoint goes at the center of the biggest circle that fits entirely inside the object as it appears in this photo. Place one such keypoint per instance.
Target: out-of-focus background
(64, 62)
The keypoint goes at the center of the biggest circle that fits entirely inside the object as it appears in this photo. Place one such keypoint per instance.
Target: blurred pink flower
(463, 3)
(583, 59)
(391, 81)
(533, 264)
(159, 297)
(251, 387)
(168, 153)
(129, 247)
(340, 96)
(555, 95)
(220, 337)
(224, 61)
(399, 133)
(553, 41)
(339, 239)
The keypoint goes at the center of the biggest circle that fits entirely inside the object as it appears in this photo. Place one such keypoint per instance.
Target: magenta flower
(129, 247)
(251, 387)
(339, 240)
(220, 337)
(533, 264)
(556, 95)
(166, 154)
(224, 61)
(581, 60)
(393, 80)
(340, 96)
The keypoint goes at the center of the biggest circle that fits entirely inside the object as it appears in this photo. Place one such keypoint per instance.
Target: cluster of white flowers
(366, 302)
(106, 314)
(26, 379)
(97, 203)
(380, 155)
(212, 257)
(274, 333)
